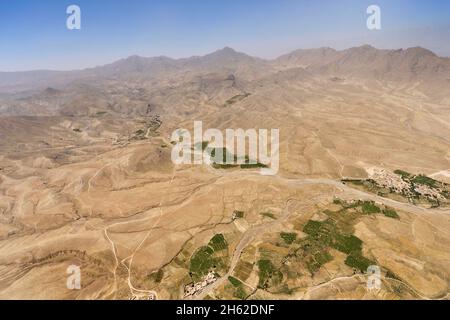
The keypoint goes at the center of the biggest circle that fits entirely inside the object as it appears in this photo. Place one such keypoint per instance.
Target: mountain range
(412, 64)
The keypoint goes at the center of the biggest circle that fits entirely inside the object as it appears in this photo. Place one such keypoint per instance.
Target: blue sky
(33, 34)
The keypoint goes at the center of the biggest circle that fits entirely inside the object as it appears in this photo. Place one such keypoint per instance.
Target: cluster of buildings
(428, 192)
(395, 183)
(195, 288)
(390, 181)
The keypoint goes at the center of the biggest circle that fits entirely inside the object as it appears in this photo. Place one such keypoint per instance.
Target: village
(401, 182)
(195, 288)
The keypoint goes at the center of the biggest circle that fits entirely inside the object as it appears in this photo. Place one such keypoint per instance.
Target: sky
(33, 34)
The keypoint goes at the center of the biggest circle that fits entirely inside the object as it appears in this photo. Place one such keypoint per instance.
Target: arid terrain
(86, 178)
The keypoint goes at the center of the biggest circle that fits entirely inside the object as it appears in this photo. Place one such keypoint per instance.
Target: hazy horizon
(219, 49)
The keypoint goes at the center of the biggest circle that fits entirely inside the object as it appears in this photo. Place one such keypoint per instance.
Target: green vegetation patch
(288, 237)
(391, 213)
(347, 243)
(238, 214)
(268, 215)
(235, 282)
(312, 227)
(424, 180)
(204, 259)
(403, 174)
(358, 261)
(223, 166)
(252, 165)
(320, 231)
(222, 157)
(218, 242)
(336, 232)
(315, 261)
(314, 250)
(369, 207)
(268, 274)
(322, 257)
(220, 161)
(238, 288)
(354, 181)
